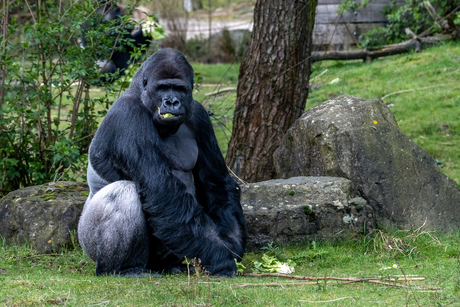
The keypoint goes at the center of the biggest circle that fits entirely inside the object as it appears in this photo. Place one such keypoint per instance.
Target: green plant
(272, 265)
(348, 5)
(413, 15)
(47, 115)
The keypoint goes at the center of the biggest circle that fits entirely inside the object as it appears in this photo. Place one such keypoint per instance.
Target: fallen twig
(222, 90)
(277, 284)
(413, 90)
(274, 284)
(325, 71)
(353, 279)
(369, 54)
(388, 279)
(373, 280)
(337, 299)
(231, 172)
(280, 275)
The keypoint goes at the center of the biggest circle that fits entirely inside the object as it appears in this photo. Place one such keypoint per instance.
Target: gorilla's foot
(224, 274)
(138, 273)
(181, 269)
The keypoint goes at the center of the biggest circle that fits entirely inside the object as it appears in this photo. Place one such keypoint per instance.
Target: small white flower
(395, 266)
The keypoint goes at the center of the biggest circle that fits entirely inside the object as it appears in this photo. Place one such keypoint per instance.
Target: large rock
(45, 216)
(359, 139)
(302, 208)
(282, 211)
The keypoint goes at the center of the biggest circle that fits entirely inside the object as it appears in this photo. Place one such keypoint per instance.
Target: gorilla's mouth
(166, 115)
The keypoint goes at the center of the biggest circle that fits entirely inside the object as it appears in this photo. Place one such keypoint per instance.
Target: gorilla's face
(167, 90)
(170, 100)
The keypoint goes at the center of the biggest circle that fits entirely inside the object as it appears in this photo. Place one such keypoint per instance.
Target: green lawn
(67, 278)
(428, 111)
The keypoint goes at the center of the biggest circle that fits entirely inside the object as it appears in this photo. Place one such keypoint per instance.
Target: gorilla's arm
(217, 192)
(127, 147)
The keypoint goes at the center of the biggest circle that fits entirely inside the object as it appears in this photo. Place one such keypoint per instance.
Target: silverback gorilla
(160, 189)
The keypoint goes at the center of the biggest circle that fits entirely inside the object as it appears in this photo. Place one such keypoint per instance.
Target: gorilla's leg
(113, 232)
(162, 259)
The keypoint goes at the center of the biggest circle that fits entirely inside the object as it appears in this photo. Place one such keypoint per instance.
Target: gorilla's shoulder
(127, 112)
(126, 105)
(199, 111)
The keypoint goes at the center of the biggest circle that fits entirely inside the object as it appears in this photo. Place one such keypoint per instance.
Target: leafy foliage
(47, 116)
(272, 265)
(413, 15)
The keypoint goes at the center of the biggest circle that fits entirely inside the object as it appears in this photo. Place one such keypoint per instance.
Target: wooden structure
(340, 32)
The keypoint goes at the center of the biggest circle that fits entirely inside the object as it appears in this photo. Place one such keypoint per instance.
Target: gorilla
(160, 189)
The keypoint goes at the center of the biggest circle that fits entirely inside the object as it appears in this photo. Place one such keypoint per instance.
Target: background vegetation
(412, 14)
(47, 114)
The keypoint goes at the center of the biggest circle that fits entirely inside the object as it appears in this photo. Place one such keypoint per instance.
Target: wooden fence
(335, 32)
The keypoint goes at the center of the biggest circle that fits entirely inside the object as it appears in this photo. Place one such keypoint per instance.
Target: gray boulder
(303, 208)
(45, 216)
(282, 211)
(359, 139)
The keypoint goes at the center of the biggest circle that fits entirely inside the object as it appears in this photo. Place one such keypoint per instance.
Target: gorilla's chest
(182, 151)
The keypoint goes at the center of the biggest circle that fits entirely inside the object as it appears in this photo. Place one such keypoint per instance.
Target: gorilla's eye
(145, 82)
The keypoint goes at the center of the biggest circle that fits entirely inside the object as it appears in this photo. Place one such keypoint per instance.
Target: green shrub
(413, 15)
(47, 115)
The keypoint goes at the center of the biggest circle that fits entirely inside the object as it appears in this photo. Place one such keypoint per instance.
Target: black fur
(190, 202)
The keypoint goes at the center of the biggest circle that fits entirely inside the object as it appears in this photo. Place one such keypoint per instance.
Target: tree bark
(273, 85)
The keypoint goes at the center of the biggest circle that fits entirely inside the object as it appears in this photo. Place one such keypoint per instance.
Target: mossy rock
(359, 139)
(321, 208)
(45, 216)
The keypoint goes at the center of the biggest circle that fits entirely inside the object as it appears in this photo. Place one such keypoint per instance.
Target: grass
(67, 278)
(218, 76)
(428, 112)
(218, 73)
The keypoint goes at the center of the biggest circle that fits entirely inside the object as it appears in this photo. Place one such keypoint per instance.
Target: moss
(291, 192)
(84, 193)
(49, 196)
(59, 186)
(78, 188)
(307, 210)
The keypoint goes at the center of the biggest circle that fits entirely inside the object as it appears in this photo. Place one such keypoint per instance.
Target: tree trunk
(273, 85)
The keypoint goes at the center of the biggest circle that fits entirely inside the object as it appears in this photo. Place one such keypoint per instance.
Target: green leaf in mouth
(166, 115)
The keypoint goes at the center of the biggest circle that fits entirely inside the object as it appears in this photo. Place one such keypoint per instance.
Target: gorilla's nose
(171, 103)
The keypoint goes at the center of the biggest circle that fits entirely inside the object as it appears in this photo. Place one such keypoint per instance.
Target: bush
(413, 15)
(47, 115)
